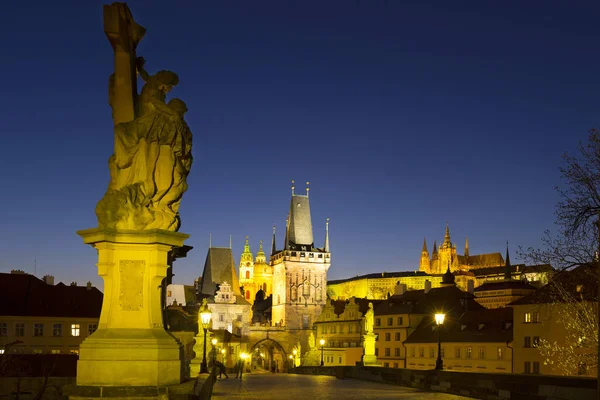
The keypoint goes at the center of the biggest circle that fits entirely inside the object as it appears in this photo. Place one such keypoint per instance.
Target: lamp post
(291, 361)
(205, 315)
(439, 320)
(322, 341)
(223, 355)
(214, 350)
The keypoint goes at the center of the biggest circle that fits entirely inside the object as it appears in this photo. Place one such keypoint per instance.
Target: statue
(153, 143)
(369, 318)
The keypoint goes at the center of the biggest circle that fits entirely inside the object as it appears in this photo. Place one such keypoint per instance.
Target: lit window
(3, 329)
(20, 330)
(468, 355)
(37, 351)
(74, 352)
(75, 328)
(527, 318)
(92, 328)
(500, 353)
(38, 330)
(536, 341)
(482, 352)
(1, 351)
(57, 330)
(55, 351)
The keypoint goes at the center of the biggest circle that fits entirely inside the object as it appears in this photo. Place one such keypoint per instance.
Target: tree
(576, 243)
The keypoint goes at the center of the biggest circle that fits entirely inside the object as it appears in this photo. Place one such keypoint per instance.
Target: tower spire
(424, 250)
(307, 188)
(273, 248)
(326, 248)
(434, 247)
(293, 187)
(507, 271)
(447, 235)
(467, 247)
(286, 244)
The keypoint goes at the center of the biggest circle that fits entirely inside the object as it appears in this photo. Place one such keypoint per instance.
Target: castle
(446, 257)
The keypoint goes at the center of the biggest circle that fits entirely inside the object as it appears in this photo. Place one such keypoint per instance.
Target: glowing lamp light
(244, 356)
(322, 341)
(439, 318)
(295, 351)
(214, 342)
(291, 357)
(205, 315)
(222, 351)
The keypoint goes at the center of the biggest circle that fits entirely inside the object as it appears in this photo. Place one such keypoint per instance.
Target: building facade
(39, 317)
(379, 286)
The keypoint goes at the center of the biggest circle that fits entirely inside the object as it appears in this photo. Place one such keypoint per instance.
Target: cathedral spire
(260, 256)
(447, 235)
(247, 254)
(507, 271)
(467, 247)
(424, 250)
(434, 247)
(273, 248)
(326, 247)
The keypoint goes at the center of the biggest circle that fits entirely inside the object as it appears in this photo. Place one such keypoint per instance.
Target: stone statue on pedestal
(152, 154)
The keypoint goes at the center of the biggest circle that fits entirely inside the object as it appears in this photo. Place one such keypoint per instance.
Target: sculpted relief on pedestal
(153, 143)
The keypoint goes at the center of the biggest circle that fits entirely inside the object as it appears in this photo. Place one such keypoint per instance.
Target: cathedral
(255, 275)
(446, 257)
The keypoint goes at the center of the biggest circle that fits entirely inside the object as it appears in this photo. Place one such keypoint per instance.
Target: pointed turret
(300, 232)
(424, 249)
(273, 247)
(507, 270)
(434, 253)
(467, 247)
(326, 247)
(425, 264)
(261, 256)
(447, 242)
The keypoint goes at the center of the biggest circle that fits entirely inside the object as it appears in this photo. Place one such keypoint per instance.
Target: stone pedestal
(369, 357)
(131, 346)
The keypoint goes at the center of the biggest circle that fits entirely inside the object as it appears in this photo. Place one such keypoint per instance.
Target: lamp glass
(214, 341)
(439, 318)
(322, 341)
(295, 351)
(205, 317)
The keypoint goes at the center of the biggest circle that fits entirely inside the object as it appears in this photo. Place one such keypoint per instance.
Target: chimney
(73, 283)
(427, 286)
(471, 286)
(89, 285)
(48, 280)
(400, 289)
(17, 272)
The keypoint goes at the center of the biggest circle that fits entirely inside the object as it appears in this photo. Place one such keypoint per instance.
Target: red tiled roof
(26, 295)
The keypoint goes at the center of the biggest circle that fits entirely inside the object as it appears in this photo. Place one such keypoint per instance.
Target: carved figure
(369, 319)
(152, 155)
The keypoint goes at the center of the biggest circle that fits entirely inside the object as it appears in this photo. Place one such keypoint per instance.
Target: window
(527, 318)
(305, 320)
(390, 321)
(457, 352)
(536, 367)
(527, 341)
(38, 330)
(527, 367)
(169, 293)
(1, 351)
(535, 317)
(386, 365)
(55, 351)
(20, 330)
(247, 295)
(387, 351)
(412, 351)
(482, 352)
(396, 352)
(57, 330)
(350, 328)
(74, 351)
(377, 321)
(37, 351)
(3, 329)
(400, 321)
(75, 329)
(468, 352)
(339, 360)
(500, 353)
(387, 336)
(431, 352)
(221, 317)
(376, 351)
(536, 341)
(92, 328)
(397, 336)
(421, 352)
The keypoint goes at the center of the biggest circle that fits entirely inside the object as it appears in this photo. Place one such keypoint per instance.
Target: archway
(269, 355)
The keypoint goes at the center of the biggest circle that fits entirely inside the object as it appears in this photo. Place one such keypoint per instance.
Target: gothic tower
(299, 270)
(447, 254)
(425, 264)
(247, 273)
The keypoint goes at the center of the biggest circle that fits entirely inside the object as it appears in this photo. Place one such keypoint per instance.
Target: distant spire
(447, 235)
(424, 250)
(307, 188)
(507, 271)
(287, 231)
(260, 256)
(230, 241)
(293, 187)
(209, 240)
(434, 247)
(246, 246)
(273, 247)
(247, 254)
(467, 247)
(326, 248)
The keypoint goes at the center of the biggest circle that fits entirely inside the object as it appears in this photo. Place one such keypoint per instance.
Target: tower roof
(447, 236)
(300, 230)
(424, 250)
(326, 247)
(507, 273)
(273, 246)
(218, 268)
(448, 278)
(434, 247)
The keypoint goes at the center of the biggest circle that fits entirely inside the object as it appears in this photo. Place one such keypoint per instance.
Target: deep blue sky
(402, 115)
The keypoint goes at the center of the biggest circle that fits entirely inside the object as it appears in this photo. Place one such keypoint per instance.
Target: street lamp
(214, 350)
(295, 352)
(439, 320)
(292, 361)
(322, 341)
(223, 355)
(205, 315)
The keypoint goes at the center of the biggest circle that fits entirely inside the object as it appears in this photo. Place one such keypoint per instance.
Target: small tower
(273, 246)
(247, 272)
(507, 266)
(326, 247)
(467, 247)
(425, 264)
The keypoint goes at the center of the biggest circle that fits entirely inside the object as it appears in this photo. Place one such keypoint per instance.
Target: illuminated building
(255, 275)
(43, 317)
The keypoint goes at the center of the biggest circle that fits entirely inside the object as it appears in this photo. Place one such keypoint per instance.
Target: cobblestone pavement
(267, 386)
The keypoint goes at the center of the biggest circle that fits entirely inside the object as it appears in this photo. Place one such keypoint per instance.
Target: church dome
(448, 278)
